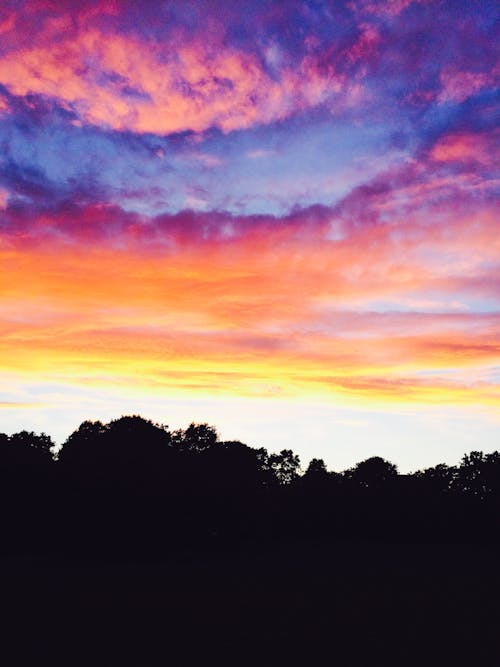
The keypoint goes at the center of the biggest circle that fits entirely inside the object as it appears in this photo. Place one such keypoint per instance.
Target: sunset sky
(277, 217)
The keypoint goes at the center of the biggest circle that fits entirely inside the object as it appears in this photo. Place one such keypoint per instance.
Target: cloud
(105, 280)
(258, 153)
(480, 147)
(180, 68)
(276, 297)
(385, 8)
(440, 225)
(118, 82)
(15, 405)
(459, 85)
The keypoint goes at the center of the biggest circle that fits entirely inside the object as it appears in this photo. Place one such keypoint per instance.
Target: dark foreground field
(294, 604)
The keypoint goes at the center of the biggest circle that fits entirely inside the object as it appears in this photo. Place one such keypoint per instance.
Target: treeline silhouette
(132, 487)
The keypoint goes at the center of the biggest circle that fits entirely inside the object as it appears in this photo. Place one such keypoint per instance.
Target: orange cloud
(9, 405)
(272, 305)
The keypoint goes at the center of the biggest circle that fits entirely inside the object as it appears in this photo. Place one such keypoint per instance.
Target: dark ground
(295, 604)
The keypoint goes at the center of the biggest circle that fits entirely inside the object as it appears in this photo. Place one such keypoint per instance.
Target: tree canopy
(134, 482)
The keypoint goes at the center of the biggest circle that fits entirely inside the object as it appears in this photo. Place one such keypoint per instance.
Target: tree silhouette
(234, 467)
(491, 473)
(124, 441)
(373, 473)
(316, 469)
(133, 484)
(82, 446)
(285, 466)
(317, 477)
(196, 438)
(478, 474)
(26, 448)
(438, 479)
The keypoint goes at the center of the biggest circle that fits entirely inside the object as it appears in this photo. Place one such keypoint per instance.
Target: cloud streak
(280, 297)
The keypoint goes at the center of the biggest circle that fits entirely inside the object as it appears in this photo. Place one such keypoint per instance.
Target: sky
(280, 218)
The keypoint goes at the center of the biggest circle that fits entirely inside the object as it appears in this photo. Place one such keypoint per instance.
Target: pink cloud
(120, 82)
(465, 146)
(458, 85)
(365, 45)
(7, 22)
(388, 8)
(4, 106)
(3, 199)
(258, 153)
